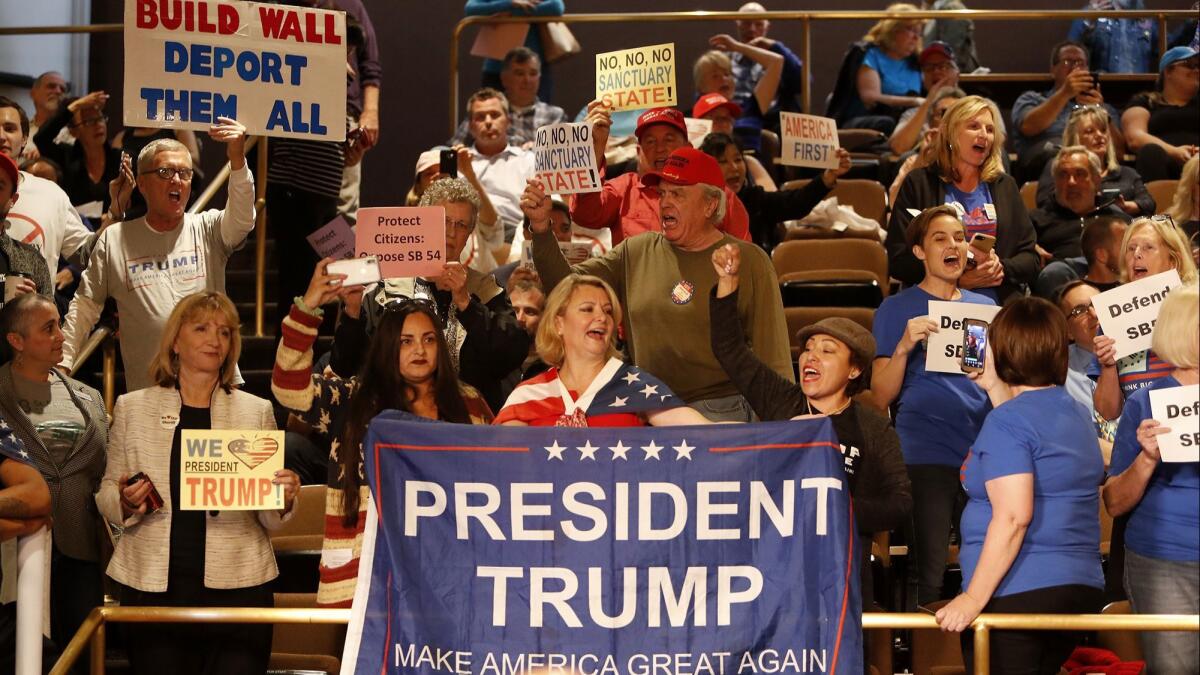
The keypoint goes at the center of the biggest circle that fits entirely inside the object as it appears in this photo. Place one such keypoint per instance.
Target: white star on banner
(630, 378)
(618, 402)
(587, 451)
(24, 455)
(650, 389)
(619, 451)
(555, 451)
(683, 450)
(652, 450)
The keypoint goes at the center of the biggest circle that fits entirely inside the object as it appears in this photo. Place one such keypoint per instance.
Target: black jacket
(768, 209)
(1015, 238)
(1059, 229)
(1125, 179)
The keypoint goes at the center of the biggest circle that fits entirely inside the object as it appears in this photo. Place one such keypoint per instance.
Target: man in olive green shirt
(664, 280)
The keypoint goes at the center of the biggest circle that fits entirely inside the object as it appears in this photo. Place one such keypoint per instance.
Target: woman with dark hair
(834, 366)
(1161, 126)
(406, 367)
(1030, 530)
(90, 163)
(768, 209)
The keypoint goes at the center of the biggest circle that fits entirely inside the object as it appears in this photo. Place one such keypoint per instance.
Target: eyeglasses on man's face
(167, 172)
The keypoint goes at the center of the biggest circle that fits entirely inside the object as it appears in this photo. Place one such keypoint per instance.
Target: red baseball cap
(688, 166)
(937, 47)
(669, 116)
(710, 102)
(8, 166)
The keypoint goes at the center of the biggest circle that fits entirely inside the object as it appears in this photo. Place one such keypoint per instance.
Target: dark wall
(414, 40)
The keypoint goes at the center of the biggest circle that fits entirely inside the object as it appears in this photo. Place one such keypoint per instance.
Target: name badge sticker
(990, 210)
(168, 421)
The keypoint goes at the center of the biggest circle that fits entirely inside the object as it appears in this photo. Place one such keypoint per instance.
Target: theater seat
(936, 652)
(1124, 643)
(832, 255)
(769, 154)
(1163, 192)
(868, 198)
(302, 646)
(306, 530)
(1029, 195)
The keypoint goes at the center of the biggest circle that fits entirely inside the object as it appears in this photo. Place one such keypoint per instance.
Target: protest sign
(631, 79)
(230, 470)
(943, 349)
(1178, 409)
(1127, 313)
(279, 70)
(564, 161)
(700, 549)
(334, 240)
(808, 140)
(697, 129)
(410, 241)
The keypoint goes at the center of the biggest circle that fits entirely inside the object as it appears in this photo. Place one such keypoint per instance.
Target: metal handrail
(93, 342)
(805, 19)
(92, 631)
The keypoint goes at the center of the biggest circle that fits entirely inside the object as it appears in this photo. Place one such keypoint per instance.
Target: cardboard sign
(279, 70)
(808, 140)
(632, 79)
(1127, 313)
(334, 240)
(409, 241)
(564, 161)
(943, 350)
(230, 470)
(697, 129)
(1178, 409)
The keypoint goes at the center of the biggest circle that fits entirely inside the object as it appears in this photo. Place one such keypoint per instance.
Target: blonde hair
(1172, 239)
(713, 58)
(1189, 182)
(549, 343)
(958, 114)
(1098, 115)
(164, 368)
(1176, 337)
(881, 33)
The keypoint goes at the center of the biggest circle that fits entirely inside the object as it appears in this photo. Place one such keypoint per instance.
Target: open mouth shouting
(810, 373)
(952, 260)
(1138, 270)
(598, 333)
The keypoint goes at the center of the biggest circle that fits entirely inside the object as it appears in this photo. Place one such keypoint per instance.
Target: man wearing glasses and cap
(147, 264)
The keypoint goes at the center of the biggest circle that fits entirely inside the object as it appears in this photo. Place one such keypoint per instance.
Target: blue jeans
(1158, 586)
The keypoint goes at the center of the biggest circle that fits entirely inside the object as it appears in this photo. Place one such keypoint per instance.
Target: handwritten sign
(697, 129)
(564, 161)
(230, 470)
(1178, 408)
(1127, 313)
(808, 140)
(409, 241)
(637, 78)
(334, 240)
(943, 350)
(279, 70)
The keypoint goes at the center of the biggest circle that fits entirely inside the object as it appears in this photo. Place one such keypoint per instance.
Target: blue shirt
(1165, 524)
(1046, 433)
(897, 77)
(979, 216)
(940, 413)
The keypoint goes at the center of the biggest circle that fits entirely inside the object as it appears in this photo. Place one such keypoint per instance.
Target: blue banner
(722, 550)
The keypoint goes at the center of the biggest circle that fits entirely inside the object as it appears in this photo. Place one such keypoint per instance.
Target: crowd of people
(663, 276)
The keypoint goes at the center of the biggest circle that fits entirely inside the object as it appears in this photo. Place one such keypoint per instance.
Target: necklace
(812, 411)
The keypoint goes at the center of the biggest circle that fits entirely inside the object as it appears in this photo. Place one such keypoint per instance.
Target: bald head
(750, 28)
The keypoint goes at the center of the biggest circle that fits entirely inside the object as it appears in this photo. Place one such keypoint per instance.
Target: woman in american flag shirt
(588, 383)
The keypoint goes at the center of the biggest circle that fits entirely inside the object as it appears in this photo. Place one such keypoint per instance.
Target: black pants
(199, 649)
(1153, 163)
(293, 214)
(1034, 652)
(77, 587)
(938, 501)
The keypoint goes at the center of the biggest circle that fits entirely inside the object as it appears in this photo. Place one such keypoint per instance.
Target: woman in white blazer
(171, 557)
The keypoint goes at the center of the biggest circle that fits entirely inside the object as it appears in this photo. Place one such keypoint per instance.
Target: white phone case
(358, 271)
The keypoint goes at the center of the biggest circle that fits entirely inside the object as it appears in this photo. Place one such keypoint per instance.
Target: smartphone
(983, 242)
(358, 271)
(154, 500)
(1095, 79)
(448, 163)
(1110, 194)
(974, 345)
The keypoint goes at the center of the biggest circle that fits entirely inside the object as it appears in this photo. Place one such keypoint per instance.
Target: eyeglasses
(1079, 310)
(403, 303)
(940, 65)
(1163, 218)
(166, 172)
(458, 226)
(89, 122)
(1073, 63)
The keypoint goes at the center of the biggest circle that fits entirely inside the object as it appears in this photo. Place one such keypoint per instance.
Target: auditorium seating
(858, 265)
(935, 652)
(308, 648)
(1163, 192)
(868, 198)
(1124, 643)
(1029, 195)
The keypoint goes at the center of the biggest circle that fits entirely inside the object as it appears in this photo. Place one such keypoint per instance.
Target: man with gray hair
(520, 75)
(148, 264)
(664, 279)
(1077, 175)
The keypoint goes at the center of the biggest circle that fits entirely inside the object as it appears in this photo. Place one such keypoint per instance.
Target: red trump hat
(668, 116)
(688, 166)
(710, 102)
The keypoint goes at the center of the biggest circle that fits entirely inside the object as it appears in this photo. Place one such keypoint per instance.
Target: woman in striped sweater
(405, 368)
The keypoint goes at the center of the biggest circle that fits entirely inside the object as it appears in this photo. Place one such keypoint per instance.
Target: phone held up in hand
(358, 271)
(448, 163)
(975, 332)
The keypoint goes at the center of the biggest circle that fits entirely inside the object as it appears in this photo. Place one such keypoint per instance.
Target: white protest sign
(943, 350)
(334, 240)
(631, 79)
(808, 140)
(1178, 409)
(697, 129)
(564, 161)
(1127, 313)
(279, 70)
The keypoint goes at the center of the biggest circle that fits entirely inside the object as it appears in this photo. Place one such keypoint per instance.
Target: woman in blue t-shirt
(1031, 530)
(939, 414)
(1162, 542)
(889, 79)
